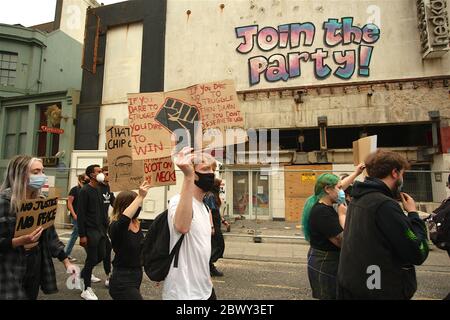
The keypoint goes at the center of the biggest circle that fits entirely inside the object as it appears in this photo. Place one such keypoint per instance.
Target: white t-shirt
(191, 280)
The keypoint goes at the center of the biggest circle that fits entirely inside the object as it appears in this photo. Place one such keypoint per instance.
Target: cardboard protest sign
(124, 173)
(34, 214)
(160, 172)
(363, 147)
(203, 116)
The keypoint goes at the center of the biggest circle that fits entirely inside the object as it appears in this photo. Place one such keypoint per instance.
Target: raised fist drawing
(176, 115)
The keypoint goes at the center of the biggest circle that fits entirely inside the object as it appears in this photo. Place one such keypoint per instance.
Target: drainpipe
(40, 70)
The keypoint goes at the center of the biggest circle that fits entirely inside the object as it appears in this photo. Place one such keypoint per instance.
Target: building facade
(40, 82)
(321, 73)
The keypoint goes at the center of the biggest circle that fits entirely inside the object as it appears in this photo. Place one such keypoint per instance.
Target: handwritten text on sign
(208, 112)
(124, 173)
(34, 214)
(160, 172)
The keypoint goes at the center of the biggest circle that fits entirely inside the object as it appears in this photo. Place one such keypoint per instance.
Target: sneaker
(107, 282)
(89, 294)
(214, 272)
(94, 279)
(72, 259)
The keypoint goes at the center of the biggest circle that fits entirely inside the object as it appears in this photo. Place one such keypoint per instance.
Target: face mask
(205, 181)
(136, 215)
(100, 178)
(341, 197)
(37, 181)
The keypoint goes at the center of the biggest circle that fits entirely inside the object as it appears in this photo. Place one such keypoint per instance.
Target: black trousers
(95, 253)
(107, 258)
(125, 284)
(32, 279)
(213, 295)
(217, 240)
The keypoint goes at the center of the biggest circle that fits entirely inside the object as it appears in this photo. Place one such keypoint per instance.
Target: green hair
(325, 180)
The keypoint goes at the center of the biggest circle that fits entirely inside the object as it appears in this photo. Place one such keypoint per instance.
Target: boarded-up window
(122, 63)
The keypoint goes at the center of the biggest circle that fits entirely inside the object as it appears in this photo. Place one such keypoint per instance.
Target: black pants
(107, 259)
(213, 295)
(95, 253)
(217, 241)
(32, 279)
(125, 284)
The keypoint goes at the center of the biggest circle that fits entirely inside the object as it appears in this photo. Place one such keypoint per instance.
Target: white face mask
(100, 178)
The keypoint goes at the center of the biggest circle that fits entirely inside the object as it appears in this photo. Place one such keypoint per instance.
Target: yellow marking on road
(276, 286)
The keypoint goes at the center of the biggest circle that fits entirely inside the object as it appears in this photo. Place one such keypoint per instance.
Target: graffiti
(282, 67)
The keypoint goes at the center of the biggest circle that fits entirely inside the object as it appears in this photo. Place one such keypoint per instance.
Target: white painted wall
(201, 47)
(111, 115)
(73, 17)
(122, 63)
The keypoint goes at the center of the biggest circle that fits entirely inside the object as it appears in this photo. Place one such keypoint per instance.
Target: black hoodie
(378, 233)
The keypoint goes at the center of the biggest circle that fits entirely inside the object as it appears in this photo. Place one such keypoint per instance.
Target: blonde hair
(205, 158)
(16, 180)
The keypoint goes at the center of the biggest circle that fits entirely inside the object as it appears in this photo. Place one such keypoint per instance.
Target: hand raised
(184, 160)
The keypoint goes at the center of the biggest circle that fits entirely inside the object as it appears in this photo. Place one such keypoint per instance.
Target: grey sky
(32, 12)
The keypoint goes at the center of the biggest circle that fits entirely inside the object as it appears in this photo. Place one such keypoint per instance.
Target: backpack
(156, 257)
(439, 226)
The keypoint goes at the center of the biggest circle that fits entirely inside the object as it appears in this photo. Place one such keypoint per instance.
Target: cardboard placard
(210, 113)
(124, 172)
(35, 213)
(363, 147)
(160, 172)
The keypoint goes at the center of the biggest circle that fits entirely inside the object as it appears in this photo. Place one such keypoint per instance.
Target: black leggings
(125, 284)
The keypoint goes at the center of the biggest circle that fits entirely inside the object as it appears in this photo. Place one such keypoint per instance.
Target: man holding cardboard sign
(28, 239)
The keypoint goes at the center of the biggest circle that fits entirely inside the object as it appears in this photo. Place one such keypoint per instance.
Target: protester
(126, 237)
(381, 244)
(323, 228)
(92, 227)
(188, 215)
(212, 200)
(347, 185)
(107, 201)
(26, 262)
(72, 203)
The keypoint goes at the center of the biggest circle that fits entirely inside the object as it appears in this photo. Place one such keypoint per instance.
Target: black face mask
(138, 212)
(205, 181)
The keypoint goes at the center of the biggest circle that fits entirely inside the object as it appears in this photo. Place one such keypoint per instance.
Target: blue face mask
(341, 197)
(37, 181)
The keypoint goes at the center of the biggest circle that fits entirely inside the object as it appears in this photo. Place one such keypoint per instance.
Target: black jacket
(13, 261)
(378, 233)
(90, 211)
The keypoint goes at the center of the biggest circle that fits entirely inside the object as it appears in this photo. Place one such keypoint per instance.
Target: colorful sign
(283, 67)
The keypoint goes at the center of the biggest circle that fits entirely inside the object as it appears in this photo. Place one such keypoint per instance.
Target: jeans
(95, 253)
(125, 284)
(73, 237)
(32, 279)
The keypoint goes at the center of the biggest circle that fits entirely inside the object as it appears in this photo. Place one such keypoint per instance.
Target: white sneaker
(107, 282)
(89, 294)
(94, 279)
